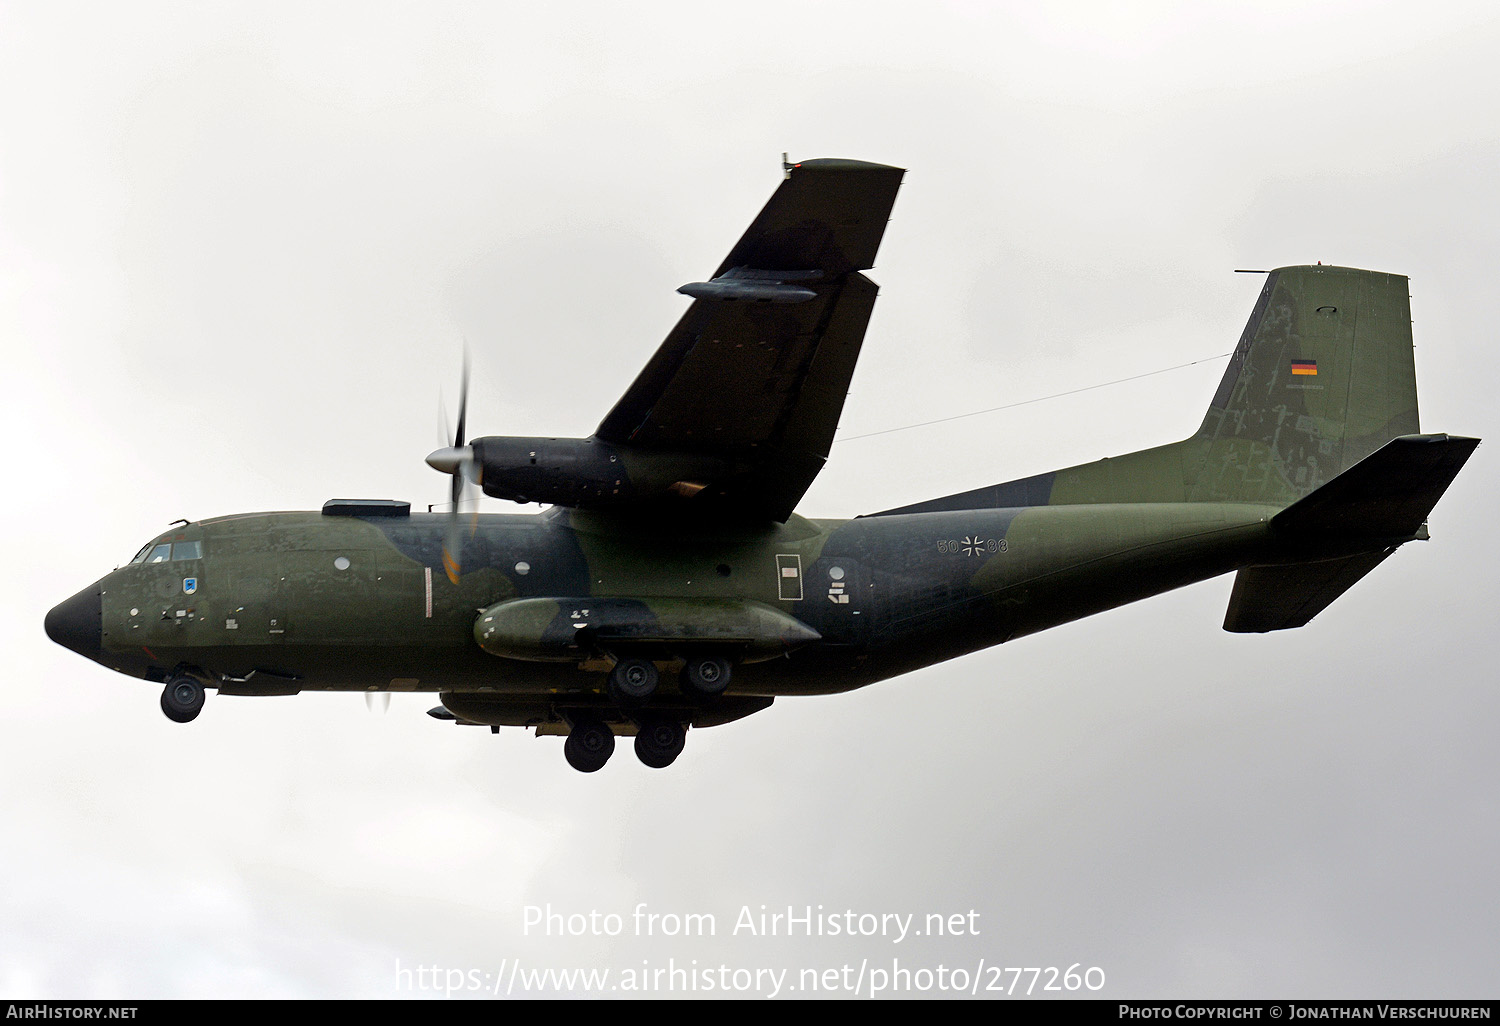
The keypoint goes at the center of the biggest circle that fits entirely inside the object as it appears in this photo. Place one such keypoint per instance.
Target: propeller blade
(457, 460)
(452, 549)
(463, 401)
(377, 701)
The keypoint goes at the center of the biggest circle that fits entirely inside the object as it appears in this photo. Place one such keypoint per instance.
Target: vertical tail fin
(1322, 377)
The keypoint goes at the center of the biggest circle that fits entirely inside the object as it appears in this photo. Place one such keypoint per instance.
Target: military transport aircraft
(671, 584)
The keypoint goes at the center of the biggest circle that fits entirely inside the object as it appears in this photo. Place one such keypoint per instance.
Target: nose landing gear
(182, 698)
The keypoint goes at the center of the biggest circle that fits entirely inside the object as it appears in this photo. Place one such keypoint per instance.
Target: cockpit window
(160, 552)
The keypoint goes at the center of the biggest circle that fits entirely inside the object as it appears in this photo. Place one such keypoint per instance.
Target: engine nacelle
(587, 473)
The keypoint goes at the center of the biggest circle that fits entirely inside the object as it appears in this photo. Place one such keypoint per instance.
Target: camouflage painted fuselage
(672, 563)
(296, 601)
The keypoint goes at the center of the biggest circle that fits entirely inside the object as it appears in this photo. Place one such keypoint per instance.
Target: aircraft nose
(77, 623)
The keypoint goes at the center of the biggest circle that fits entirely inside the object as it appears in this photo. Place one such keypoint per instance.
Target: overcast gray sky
(241, 245)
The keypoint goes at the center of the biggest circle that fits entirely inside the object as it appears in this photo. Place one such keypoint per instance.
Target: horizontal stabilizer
(1274, 598)
(1380, 502)
(1388, 494)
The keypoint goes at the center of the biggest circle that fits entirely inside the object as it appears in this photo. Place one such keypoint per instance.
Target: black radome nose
(77, 623)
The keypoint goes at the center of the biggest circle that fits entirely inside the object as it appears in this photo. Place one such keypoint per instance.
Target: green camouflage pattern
(1307, 471)
(1270, 435)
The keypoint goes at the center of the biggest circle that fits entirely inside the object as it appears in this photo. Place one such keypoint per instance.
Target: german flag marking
(1305, 367)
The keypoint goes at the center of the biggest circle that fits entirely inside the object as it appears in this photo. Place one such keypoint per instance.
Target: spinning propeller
(457, 460)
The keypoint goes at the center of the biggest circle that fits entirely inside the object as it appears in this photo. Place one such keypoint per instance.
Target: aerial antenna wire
(1038, 399)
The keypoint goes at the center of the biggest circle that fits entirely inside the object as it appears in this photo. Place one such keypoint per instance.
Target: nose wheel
(182, 699)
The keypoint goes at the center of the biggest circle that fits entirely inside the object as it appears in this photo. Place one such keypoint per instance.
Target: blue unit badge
(189, 585)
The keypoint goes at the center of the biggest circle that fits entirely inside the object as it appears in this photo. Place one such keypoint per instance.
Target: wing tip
(844, 164)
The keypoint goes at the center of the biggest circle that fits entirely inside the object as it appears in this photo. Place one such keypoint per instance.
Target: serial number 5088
(972, 546)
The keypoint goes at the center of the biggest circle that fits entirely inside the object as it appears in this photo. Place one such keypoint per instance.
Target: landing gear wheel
(659, 742)
(589, 746)
(705, 677)
(182, 699)
(633, 681)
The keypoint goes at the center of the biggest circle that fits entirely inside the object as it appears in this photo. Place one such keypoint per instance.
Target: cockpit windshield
(154, 554)
(161, 552)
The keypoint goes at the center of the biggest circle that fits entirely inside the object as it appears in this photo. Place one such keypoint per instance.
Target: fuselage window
(187, 550)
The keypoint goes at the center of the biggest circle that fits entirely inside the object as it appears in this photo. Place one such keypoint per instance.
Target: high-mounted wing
(734, 415)
(747, 390)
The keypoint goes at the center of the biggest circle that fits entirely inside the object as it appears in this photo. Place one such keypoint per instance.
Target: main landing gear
(660, 733)
(658, 742)
(633, 681)
(705, 677)
(589, 745)
(182, 698)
